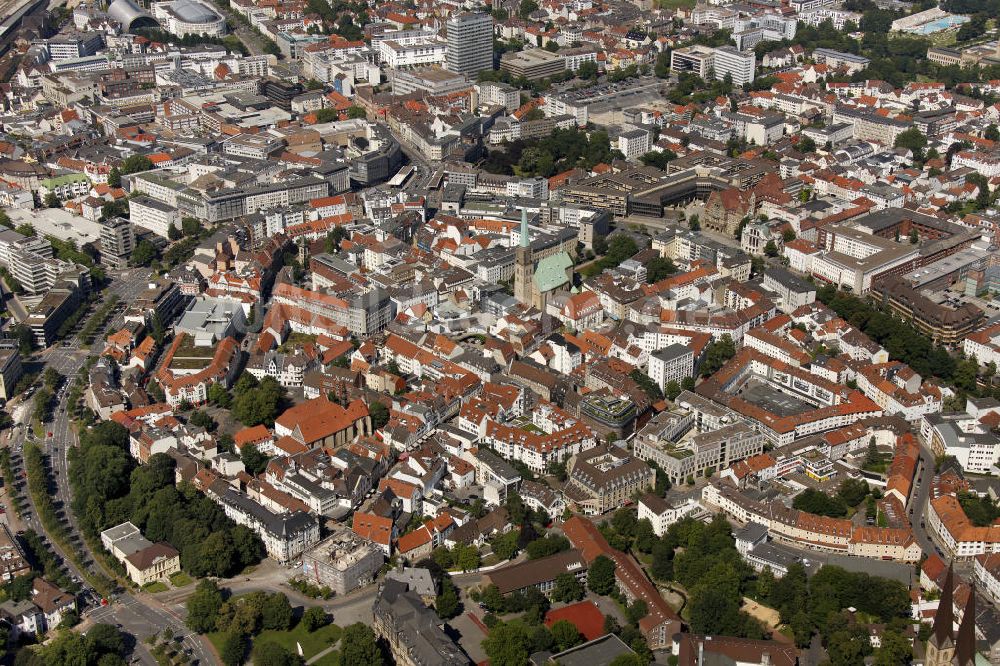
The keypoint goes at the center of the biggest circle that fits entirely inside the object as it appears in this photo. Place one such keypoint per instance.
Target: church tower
(965, 640)
(941, 644)
(524, 265)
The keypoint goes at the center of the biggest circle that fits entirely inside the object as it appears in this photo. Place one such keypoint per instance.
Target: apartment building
(532, 64)
(696, 59)
(945, 325)
(661, 514)
(741, 66)
(604, 478)
(117, 242)
(413, 632)
(154, 215)
(144, 560)
(470, 43)
(10, 371)
(673, 363)
(286, 536)
(343, 561)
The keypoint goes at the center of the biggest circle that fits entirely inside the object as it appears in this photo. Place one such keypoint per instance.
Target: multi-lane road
(136, 613)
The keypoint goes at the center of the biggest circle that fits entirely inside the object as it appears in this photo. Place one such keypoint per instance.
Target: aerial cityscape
(510, 332)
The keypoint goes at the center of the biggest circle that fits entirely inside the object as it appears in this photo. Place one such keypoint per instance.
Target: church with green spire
(539, 269)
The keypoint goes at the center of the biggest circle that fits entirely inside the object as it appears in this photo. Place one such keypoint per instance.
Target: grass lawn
(180, 579)
(312, 643)
(332, 659)
(217, 638)
(154, 587)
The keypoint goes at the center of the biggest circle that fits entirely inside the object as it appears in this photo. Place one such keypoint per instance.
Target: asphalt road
(136, 613)
(919, 501)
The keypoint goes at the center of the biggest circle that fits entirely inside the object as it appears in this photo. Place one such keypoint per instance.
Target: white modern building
(672, 363)
(737, 64)
(634, 143)
(189, 17)
(154, 215)
(662, 514)
(470, 43)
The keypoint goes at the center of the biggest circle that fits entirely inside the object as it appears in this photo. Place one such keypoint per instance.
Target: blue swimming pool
(937, 25)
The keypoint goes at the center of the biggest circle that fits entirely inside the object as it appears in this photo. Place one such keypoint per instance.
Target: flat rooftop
(773, 400)
(59, 223)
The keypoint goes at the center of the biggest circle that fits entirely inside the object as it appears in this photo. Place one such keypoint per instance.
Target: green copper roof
(551, 272)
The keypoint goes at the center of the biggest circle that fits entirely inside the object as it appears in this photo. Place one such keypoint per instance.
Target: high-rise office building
(470, 43)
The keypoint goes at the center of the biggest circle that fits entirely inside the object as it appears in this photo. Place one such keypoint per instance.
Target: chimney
(701, 653)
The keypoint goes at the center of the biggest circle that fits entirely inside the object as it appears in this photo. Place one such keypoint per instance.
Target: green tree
(203, 606)
(357, 646)
(25, 338)
(565, 635)
(636, 611)
(234, 647)
(467, 557)
(191, 226)
(658, 158)
(567, 588)
(601, 576)
(659, 268)
(895, 649)
(254, 461)
(257, 403)
(547, 545)
(505, 545)
(52, 200)
(379, 414)
(914, 141)
(526, 7)
(853, 491)
(806, 145)
(203, 420)
(135, 164)
(815, 501)
(673, 390)
(965, 374)
(277, 613)
(314, 618)
(507, 643)
(557, 468)
(492, 599)
(269, 653)
(51, 378)
(646, 383)
(144, 253)
(587, 70)
(447, 603)
(645, 537)
(662, 67)
(992, 133)
(356, 112)
(718, 353)
(713, 611)
(115, 177)
(218, 395)
(771, 249)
